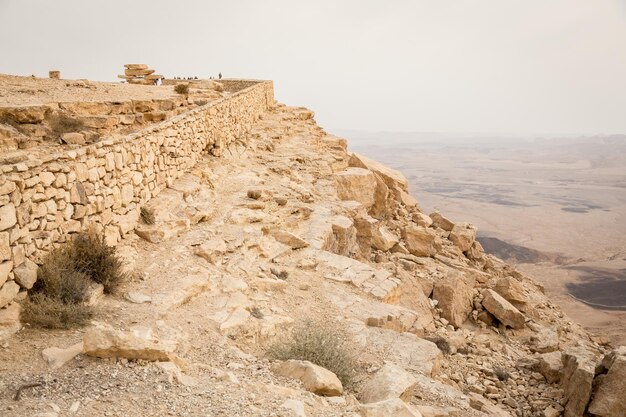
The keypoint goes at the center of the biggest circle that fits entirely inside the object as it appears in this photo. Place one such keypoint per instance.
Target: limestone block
(442, 222)
(8, 292)
(420, 241)
(391, 381)
(26, 274)
(8, 217)
(316, 379)
(463, 236)
(356, 184)
(504, 311)
(455, 299)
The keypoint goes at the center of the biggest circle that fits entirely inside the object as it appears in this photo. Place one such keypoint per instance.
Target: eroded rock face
(455, 299)
(610, 398)
(315, 378)
(504, 311)
(356, 184)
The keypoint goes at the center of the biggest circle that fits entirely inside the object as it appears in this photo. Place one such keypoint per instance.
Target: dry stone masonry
(44, 201)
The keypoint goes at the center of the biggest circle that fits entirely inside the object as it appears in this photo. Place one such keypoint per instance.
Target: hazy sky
(494, 66)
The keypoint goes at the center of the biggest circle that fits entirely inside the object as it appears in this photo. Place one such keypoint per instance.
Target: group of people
(219, 76)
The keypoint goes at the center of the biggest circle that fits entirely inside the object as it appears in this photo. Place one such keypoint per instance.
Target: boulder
(504, 311)
(26, 274)
(422, 219)
(455, 298)
(9, 320)
(420, 241)
(545, 340)
(73, 138)
(512, 290)
(383, 239)
(391, 381)
(393, 407)
(441, 222)
(577, 381)
(57, 357)
(316, 379)
(356, 184)
(288, 238)
(610, 398)
(463, 236)
(551, 366)
(103, 341)
(8, 292)
(392, 178)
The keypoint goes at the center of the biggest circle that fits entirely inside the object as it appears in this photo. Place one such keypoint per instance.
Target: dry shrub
(501, 374)
(90, 255)
(182, 88)
(52, 313)
(61, 124)
(321, 343)
(147, 216)
(443, 345)
(57, 299)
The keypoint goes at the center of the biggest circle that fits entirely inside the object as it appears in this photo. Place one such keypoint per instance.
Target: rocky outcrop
(454, 297)
(609, 399)
(315, 378)
(504, 311)
(577, 380)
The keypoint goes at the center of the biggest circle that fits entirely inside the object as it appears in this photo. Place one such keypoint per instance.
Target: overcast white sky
(493, 66)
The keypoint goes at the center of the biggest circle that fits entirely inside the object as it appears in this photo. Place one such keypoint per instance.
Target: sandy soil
(564, 198)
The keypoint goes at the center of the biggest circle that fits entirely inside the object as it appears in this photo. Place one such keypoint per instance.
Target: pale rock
(8, 292)
(391, 381)
(5, 269)
(383, 239)
(5, 247)
(57, 357)
(393, 179)
(609, 399)
(422, 219)
(212, 250)
(26, 274)
(288, 238)
(420, 241)
(138, 298)
(103, 341)
(73, 138)
(512, 290)
(463, 236)
(9, 320)
(504, 311)
(8, 217)
(455, 298)
(545, 340)
(392, 407)
(239, 317)
(441, 222)
(295, 408)
(551, 366)
(356, 184)
(579, 366)
(436, 411)
(316, 379)
(175, 374)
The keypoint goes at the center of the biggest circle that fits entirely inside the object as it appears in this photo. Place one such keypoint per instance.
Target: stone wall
(43, 201)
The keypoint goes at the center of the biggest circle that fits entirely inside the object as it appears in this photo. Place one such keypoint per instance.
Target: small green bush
(322, 344)
(182, 88)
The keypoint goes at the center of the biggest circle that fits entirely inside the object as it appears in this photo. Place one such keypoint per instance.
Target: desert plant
(57, 278)
(93, 257)
(501, 374)
(147, 216)
(48, 312)
(280, 274)
(61, 124)
(443, 345)
(256, 312)
(182, 88)
(321, 343)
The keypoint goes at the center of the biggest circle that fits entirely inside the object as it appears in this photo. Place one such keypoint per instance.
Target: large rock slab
(391, 381)
(356, 184)
(579, 367)
(455, 298)
(103, 341)
(316, 379)
(513, 291)
(57, 357)
(391, 177)
(442, 222)
(420, 241)
(610, 398)
(551, 366)
(503, 310)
